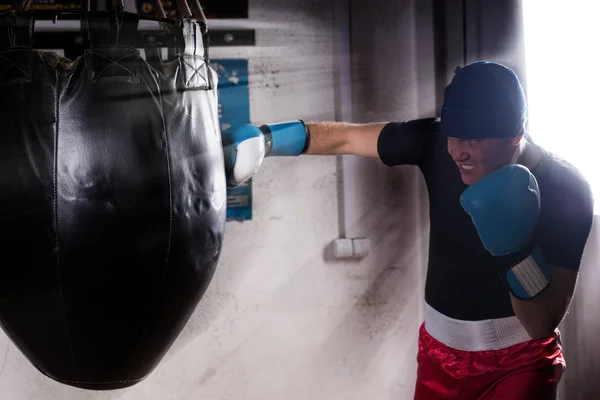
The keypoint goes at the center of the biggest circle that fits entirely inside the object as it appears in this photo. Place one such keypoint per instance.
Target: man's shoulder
(410, 142)
(567, 211)
(565, 192)
(563, 177)
(425, 126)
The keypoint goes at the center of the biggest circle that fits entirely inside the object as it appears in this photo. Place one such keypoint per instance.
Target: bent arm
(541, 315)
(572, 214)
(343, 138)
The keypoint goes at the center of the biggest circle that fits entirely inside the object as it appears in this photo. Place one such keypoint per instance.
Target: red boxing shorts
(485, 360)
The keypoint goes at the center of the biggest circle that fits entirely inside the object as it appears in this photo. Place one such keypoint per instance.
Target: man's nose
(457, 152)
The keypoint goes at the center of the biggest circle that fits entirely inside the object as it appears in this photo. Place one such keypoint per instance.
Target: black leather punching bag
(112, 198)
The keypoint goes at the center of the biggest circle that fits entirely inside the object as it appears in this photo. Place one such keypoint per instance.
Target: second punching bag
(112, 198)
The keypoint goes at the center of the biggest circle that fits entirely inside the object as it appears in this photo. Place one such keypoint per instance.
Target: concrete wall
(282, 319)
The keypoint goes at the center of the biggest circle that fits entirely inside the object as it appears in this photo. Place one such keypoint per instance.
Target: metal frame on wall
(38, 5)
(213, 9)
(63, 31)
(72, 41)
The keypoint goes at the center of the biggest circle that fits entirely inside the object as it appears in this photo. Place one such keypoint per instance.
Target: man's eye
(472, 141)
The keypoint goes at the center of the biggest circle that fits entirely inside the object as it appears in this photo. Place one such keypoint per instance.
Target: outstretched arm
(246, 147)
(394, 143)
(343, 138)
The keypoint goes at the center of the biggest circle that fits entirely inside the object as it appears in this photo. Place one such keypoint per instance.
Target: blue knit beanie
(484, 100)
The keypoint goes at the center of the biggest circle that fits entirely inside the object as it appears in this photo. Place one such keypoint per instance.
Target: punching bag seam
(56, 226)
(194, 34)
(170, 183)
(170, 179)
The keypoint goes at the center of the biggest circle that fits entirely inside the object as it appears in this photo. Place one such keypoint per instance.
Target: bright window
(562, 42)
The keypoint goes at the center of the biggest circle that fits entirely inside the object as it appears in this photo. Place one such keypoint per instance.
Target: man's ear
(516, 140)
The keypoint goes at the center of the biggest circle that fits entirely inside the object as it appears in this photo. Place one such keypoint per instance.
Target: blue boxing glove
(505, 208)
(246, 147)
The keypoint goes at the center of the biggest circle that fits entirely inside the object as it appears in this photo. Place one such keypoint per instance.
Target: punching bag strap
(198, 13)
(200, 18)
(125, 29)
(196, 73)
(112, 54)
(99, 29)
(19, 26)
(154, 53)
(23, 35)
(183, 9)
(113, 28)
(21, 5)
(190, 49)
(15, 47)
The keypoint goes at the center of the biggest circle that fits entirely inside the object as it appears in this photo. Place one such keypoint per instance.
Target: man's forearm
(327, 138)
(542, 314)
(338, 138)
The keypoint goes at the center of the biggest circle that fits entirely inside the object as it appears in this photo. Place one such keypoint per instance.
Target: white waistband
(489, 334)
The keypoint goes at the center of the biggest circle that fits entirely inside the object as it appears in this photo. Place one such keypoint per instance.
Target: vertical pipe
(343, 107)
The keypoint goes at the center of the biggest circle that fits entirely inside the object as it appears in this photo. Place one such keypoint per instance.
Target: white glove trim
(249, 156)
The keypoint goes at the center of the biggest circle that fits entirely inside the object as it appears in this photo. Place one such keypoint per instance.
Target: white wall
(581, 326)
(282, 319)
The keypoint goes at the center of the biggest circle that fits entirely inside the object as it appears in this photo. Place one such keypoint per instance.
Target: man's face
(476, 158)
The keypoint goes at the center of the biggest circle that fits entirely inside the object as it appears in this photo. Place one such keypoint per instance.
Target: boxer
(509, 222)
